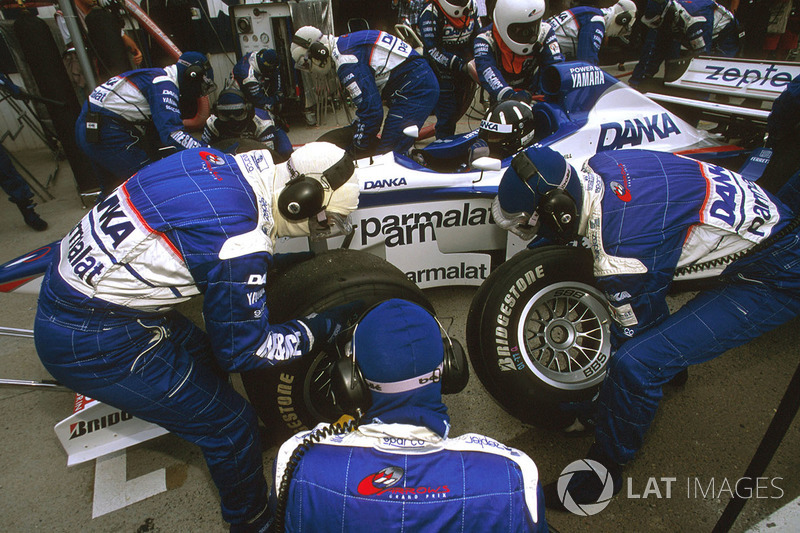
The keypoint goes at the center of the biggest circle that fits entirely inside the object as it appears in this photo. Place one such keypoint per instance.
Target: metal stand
(24, 119)
(45, 383)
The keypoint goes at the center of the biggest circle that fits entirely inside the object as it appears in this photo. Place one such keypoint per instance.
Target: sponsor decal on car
(634, 132)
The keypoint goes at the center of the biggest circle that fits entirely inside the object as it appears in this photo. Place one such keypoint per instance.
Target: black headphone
(194, 74)
(557, 209)
(624, 18)
(304, 196)
(316, 50)
(351, 391)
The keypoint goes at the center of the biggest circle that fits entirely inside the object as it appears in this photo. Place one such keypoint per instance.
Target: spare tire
(296, 396)
(538, 334)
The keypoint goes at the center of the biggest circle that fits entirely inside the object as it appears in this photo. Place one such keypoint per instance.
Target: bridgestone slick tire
(538, 334)
(296, 396)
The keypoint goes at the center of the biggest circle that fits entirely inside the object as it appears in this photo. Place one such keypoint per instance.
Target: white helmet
(457, 8)
(519, 22)
(314, 192)
(310, 49)
(619, 18)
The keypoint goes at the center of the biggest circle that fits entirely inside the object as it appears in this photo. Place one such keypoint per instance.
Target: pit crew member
(197, 222)
(234, 118)
(510, 52)
(400, 469)
(580, 31)
(698, 26)
(258, 76)
(113, 125)
(652, 217)
(374, 67)
(447, 30)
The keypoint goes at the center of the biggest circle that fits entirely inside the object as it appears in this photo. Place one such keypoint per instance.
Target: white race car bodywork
(437, 227)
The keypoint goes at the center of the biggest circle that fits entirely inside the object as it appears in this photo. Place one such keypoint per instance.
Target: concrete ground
(702, 440)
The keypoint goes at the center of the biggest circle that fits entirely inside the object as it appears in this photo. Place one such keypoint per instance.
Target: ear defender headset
(194, 74)
(624, 18)
(557, 209)
(304, 196)
(316, 50)
(351, 390)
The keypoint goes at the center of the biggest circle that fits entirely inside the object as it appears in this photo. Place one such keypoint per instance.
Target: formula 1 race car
(426, 228)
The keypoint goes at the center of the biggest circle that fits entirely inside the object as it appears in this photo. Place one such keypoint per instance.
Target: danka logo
(491, 126)
(83, 427)
(614, 135)
(383, 184)
(770, 76)
(380, 482)
(212, 159)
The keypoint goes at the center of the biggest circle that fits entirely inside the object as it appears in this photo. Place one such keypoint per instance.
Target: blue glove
(326, 325)
(522, 96)
(479, 148)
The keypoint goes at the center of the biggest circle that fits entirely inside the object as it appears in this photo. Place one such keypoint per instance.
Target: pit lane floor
(699, 446)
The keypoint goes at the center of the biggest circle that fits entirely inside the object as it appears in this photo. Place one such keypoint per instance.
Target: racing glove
(521, 95)
(479, 148)
(326, 325)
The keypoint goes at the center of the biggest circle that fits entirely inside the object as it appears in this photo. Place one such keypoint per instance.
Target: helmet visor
(525, 32)
(232, 112)
(303, 63)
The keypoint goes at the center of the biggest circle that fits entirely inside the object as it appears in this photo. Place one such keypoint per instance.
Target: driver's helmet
(232, 107)
(508, 128)
(457, 8)
(519, 23)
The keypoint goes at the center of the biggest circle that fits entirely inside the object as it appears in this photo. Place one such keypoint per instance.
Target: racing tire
(296, 396)
(538, 334)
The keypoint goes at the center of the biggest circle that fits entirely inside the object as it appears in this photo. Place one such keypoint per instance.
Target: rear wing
(722, 85)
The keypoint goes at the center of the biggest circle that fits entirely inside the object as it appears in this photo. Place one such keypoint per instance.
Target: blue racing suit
(408, 478)
(264, 90)
(375, 66)
(127, 104)
(198, 222)
(261, 128)
(652, 217)
(448, 45)
(580, 32)
(700, 26)
(503, 73)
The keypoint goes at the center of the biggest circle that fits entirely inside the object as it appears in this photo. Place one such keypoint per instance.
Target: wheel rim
(317, 391)
(564, 335)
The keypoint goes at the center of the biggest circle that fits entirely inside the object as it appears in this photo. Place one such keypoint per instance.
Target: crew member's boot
(31, 217)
